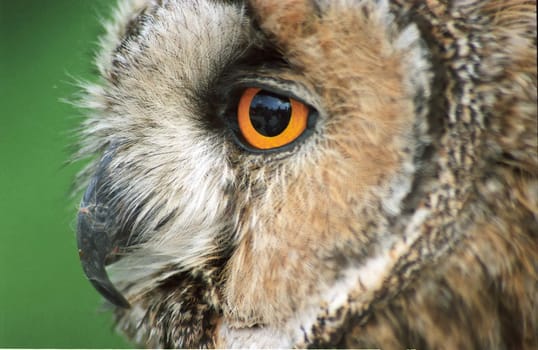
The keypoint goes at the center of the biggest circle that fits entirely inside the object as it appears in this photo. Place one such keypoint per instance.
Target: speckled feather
(409, 218)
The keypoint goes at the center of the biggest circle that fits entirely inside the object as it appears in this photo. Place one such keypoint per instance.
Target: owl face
(257, 165)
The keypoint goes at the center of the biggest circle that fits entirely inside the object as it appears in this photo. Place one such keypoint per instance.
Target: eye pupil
(270, 113)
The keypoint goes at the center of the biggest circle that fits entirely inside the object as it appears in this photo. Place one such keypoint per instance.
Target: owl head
(312, 173)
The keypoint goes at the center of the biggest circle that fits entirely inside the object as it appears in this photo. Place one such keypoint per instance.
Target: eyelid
(282, 82)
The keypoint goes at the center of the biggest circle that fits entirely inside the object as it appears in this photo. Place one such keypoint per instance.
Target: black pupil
(270, 113)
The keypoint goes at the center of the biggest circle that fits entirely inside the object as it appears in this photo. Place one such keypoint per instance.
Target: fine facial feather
(347, 166)
(415, 197)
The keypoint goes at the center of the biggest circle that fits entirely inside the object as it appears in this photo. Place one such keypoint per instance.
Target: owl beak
(96, 238)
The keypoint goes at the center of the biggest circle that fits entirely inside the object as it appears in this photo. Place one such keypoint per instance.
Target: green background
(45, 300)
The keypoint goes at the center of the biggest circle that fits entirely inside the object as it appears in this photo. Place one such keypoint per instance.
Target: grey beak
(99, 238)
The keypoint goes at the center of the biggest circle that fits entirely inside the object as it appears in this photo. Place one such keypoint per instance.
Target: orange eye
(268, 120)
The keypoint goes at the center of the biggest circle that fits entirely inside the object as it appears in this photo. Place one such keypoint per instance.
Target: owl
(314, 173)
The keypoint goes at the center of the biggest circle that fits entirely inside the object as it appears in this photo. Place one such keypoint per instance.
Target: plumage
(404, 215)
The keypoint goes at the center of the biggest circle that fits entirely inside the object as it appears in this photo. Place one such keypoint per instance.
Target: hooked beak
(98, 236)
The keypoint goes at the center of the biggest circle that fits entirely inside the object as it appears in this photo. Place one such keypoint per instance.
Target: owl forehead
(165, 60)
(168, 50)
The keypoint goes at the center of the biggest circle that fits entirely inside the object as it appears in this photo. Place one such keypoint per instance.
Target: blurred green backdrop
(45, 300)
